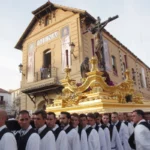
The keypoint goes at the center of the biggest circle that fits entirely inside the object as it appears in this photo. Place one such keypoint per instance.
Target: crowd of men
(93, 131)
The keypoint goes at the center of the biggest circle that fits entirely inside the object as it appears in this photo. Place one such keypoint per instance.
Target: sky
(131, 29)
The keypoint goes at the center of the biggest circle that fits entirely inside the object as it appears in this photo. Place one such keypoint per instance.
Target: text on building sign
(47, 38)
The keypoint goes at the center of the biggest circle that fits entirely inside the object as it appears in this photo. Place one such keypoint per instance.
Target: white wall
(7, 99)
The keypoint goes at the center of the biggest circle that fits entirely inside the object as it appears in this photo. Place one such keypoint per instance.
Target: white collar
(2, 127)
(41, 129)
(26, 131)
(143, 120)
(93, 126)
(76, 128)
(56, 126)
(66, 127)
(108, 124)
(86, 127)
(116, 123)
(99, 124)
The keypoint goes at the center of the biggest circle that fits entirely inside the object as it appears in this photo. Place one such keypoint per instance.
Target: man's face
(51, 121)
(83, 122)
(121, 117)
(114, 118)
(98, 120)
(39, 121)
(148, 116)
(105, 119)
(130, 118)
(74, 121)
(91, 121)
(1, 120)
(64, 121)
(125, 117)
(136, 117)
(24, 121)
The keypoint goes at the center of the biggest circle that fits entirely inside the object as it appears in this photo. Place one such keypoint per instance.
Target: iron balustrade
(46, 73)
(2, 102)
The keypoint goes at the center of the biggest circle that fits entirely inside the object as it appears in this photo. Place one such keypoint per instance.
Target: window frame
(46, 20)
(114, 66)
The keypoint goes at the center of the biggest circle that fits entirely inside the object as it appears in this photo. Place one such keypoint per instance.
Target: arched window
(146, 79)
(47, 58)
(47, 21)
(45, 70)
(141, 80)
(124, 67)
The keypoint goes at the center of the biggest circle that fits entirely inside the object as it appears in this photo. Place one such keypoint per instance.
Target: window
(141, 80)
(114, 65)
(124, 67)
(1, 99)
(46, 68)
(147, 82)
(47, 58)
(113, 61)
(134, 76)
(47, 21)
(126, 63)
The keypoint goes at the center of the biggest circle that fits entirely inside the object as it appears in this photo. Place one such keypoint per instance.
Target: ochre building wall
(83, 48)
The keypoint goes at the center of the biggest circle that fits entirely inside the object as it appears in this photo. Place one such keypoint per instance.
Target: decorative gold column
(94, 63)
(67, 71)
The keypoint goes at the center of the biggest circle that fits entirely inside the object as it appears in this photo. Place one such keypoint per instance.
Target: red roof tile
(3, 91)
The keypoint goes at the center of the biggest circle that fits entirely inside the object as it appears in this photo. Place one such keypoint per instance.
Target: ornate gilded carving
(138, 98)
(72, 100)
(73, 95)
(67, 71)
(123, 89)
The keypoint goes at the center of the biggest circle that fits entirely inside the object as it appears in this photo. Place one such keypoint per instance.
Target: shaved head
(3, 117)
(3, 113)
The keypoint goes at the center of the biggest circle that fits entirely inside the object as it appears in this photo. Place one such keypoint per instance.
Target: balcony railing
(46, 73)
(2, 102)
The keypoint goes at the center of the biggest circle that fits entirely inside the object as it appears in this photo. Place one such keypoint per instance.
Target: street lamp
(72, 46)
(20, 69)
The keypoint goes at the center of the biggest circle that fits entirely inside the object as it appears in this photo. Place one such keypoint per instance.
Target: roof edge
(34, 19)
(109, 34)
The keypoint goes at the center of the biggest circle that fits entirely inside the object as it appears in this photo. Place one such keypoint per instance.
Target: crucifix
(98, 39)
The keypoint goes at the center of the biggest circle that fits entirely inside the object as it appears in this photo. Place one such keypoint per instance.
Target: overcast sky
(131, 29)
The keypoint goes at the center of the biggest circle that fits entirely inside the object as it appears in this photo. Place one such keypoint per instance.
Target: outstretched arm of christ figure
(100, 26)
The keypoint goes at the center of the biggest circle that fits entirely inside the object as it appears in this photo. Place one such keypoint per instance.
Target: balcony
(46, 73)
(44, 80)
(2, 104)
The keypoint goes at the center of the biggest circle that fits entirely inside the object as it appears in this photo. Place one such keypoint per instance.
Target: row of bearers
(89, 135)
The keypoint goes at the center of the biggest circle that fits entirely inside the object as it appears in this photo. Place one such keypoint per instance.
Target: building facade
(5, 100)
(16, 100)
(46, 50)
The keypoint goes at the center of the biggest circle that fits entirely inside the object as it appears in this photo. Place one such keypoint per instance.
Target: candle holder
(67, 71)
(94, 63)
(127, 74)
